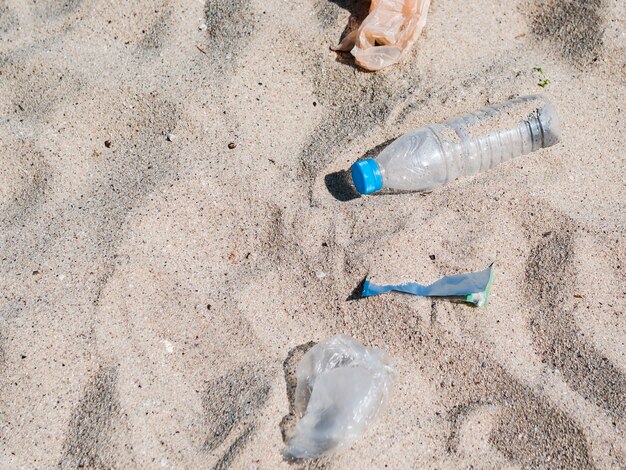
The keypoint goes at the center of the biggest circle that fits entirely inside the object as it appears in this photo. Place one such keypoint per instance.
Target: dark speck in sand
(232, 145)
(107, 144)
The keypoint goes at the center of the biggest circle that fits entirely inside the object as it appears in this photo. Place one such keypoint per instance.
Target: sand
(157, 295)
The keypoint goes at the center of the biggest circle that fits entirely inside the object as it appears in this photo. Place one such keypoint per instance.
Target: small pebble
(169, 136)
(432, 257)
(202, 27)
(232, 145)
(107, 144)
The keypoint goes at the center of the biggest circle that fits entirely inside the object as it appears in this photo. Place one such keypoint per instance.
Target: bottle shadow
(339, 183)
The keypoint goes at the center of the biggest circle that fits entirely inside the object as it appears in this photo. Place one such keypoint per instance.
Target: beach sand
(157, 294)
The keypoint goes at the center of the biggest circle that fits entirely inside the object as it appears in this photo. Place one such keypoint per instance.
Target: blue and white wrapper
(472, 288)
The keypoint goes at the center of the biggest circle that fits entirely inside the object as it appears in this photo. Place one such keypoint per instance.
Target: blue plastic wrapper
(472, 288)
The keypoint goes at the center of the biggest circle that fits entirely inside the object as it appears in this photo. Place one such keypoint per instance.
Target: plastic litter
(434, 155)
(472, 288)
(341, 386)
(387, 33)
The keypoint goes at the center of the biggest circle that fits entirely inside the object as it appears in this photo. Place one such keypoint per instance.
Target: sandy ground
(155, 295)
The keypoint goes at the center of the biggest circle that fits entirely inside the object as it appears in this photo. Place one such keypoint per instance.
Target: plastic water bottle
(434, 155)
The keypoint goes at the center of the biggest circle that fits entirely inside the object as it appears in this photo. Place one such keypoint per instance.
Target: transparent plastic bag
(341, 386)
(388, 31)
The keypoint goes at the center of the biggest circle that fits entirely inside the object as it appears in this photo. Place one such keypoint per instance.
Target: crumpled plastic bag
(387, 33)
(341, 385)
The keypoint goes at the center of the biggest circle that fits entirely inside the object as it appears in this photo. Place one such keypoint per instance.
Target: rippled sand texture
(157, 295)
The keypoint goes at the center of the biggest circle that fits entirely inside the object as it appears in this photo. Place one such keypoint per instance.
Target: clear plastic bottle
(434, 155)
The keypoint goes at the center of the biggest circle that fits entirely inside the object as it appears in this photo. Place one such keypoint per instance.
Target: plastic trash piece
(434, 155)
(341, 385)
(472, 288)
(387, 33)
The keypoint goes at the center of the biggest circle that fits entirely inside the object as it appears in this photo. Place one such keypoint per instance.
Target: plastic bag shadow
(289, 368)
(289, 421)
(339, 183)
(358, 9)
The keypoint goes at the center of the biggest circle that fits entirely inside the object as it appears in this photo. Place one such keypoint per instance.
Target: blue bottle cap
(366, 176)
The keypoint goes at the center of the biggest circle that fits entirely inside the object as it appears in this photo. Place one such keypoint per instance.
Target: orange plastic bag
(388, 31)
